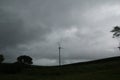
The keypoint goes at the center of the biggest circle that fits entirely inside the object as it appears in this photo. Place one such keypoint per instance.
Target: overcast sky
(34, 28)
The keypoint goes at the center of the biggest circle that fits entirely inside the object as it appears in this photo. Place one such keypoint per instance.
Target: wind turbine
(59, 49)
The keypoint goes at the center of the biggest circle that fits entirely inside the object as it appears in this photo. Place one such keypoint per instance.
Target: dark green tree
(24, 60)
(116, 32)
(1, 58)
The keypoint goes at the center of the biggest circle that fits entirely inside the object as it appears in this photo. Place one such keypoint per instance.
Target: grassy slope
(105, 69)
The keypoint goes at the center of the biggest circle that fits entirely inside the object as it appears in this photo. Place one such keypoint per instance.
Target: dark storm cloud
(13, 31)
(33, 27)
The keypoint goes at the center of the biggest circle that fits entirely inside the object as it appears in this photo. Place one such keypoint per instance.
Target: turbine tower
(59, 48)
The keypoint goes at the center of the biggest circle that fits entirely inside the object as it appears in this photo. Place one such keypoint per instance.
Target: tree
(24, 59)
(116, 33)
(1, 58)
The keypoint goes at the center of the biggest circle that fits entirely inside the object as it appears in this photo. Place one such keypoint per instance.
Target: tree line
(24, 59)
(22, 63)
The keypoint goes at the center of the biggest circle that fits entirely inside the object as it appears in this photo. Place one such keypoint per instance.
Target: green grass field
(105, 69)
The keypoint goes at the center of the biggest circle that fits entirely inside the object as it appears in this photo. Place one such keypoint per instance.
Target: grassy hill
(104, 69)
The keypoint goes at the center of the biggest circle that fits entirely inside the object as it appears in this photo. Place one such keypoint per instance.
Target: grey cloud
(33, 27)
(13, 31)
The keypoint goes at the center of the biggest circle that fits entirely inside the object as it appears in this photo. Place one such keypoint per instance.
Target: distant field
(106, 69)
